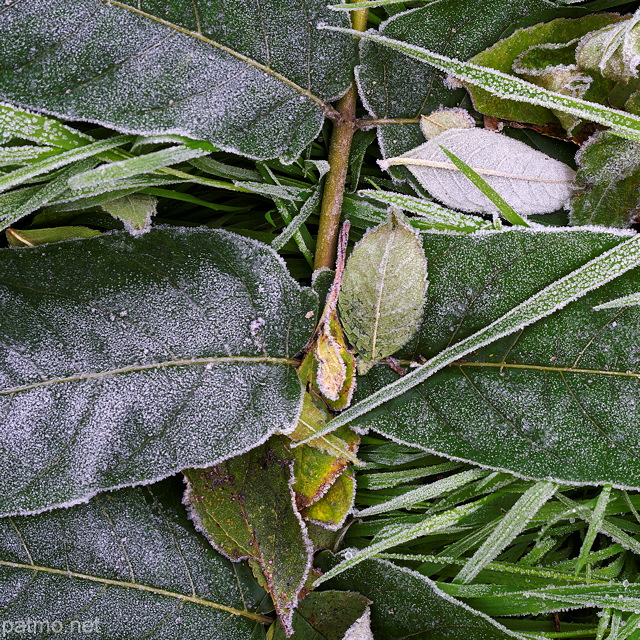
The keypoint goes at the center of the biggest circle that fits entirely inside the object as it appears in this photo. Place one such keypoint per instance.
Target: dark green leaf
(555, 400)
(396, 87)
(126, 359)
(407, 604)
(250, 78)
(329, 615)
(245, 507)
(128, 564)
(607, 182)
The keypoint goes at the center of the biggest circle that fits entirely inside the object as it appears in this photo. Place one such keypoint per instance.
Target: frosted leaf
(249, 77)
(124, 360)
(607, 182)
(444, 119)
(404, 600)
(134, 210)
(331, 615)
(555, 400)
(626, 301)
(130, 562)
(394, 86)
(246, 508)
(614, 51)
(530, 181)
(383, 291)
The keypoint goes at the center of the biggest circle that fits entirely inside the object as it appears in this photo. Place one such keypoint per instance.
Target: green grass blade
(426, 492)
(135, 166)
(404, 534)
(439, 217)
(390, 479)
(12, 156)
(591, 275)
(510, 87)
(370, 4)
(23, 174)
(508, 212)
(595, 525)
(509, 528)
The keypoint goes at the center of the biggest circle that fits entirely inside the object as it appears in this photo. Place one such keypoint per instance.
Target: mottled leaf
(530, 181)
(245, 506)
(129, 565)
(250, 78)
(407, 604)
(126, 359)
(383, 291)
(332, 509)
(607, 182)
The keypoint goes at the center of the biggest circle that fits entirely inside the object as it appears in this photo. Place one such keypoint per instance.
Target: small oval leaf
(383, 290)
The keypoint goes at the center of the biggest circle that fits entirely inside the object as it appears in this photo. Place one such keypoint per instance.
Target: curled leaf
(383, 291)
(444, 119)
(530, 181)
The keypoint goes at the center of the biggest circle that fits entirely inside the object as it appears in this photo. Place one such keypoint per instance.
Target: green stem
(339, 149)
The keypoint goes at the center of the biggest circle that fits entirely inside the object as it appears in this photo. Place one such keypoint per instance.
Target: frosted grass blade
(425, 492)
(390, 479)
(11, 156)
(19, 176)
(404, 534)
(40, 129)
(48, 191)
(507, 211)
(510, 87)
(509, 528)
(135, 166)
(292, 228)
(370, 4)
(440, 217)
(555, 296)
(625, 301)
(595, 525)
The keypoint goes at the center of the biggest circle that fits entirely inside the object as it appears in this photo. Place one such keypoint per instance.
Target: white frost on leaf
(530, 181)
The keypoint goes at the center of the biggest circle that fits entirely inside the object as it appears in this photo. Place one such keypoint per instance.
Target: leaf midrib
(140, 587)
(535, 367)
(182, 362)
(328, 110)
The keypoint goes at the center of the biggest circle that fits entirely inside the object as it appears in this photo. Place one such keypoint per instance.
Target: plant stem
(339, 149)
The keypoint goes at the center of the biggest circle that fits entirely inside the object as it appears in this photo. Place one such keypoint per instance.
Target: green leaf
(506, 86)
(607, 182)
(151, 574)
(406, 604)
(245, 507)
(332, 509)
(383, 291)
(134, 210)
(394, 87)
(554, 400)
(34, 237)
(247, 78)
(502, 56)
(127, 359)
(330, 615)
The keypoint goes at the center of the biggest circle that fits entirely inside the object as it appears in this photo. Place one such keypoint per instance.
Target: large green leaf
(126, 565)
(409, 605)
(556, 400)
(123, 360)
(250, 77)
(393, 86)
